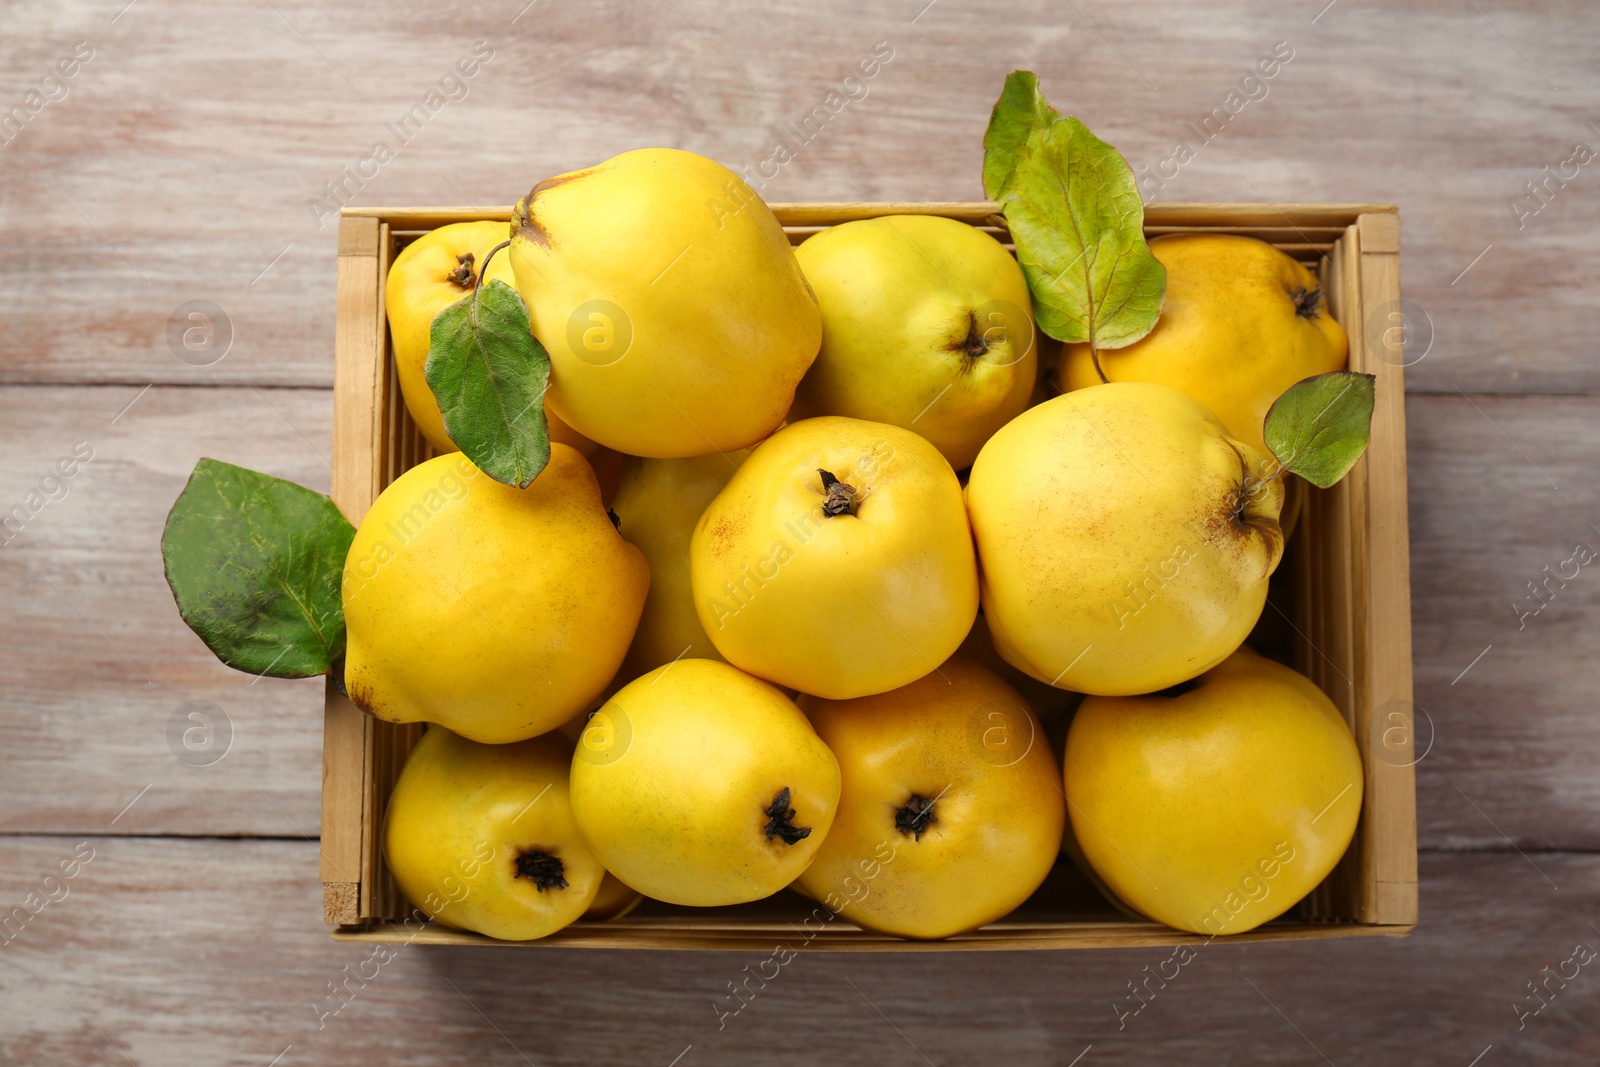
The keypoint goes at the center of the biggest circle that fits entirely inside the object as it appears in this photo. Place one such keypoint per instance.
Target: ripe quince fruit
(951, 812)
(657, 503)
(481, 837)
(698, 784)
(1125, 538)
(668, 296)
(1241, 322)
(925, 325)
(1217, 806)
(431, 273)
(494, 611)
(838, 561)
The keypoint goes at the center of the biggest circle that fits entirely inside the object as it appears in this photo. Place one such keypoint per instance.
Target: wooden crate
(1340, 607)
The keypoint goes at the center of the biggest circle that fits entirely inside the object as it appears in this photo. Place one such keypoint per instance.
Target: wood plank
(163, 965)
(97, 663)
(1511, 733)
(1512, 737)
(1389, 836)
(174, 172)
(671, 933)
(177, 179)
(360, 421)
(346, 745)
(1355, 600)
(1336, 548)
(1293, 216)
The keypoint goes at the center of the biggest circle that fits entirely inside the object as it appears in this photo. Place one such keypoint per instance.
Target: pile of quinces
(743, 566)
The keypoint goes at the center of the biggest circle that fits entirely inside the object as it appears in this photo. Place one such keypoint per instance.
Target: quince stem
(483, 271)
(1252, 486)
(1094, 356)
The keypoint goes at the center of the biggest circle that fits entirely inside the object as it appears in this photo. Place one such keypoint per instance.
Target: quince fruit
(481, 837)
(657, 503)
(668, 297)
(951, 812)
(698, 784)
(494, 611)
(838, 561)
(925, 326)
(1125, 538)
(1217, 806)
(1241, 322)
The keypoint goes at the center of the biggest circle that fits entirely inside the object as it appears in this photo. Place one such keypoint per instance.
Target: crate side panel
(346, 733)
(760, 937)
(1199, 215)
(357, 418)
(1389, 844)
(357, 423)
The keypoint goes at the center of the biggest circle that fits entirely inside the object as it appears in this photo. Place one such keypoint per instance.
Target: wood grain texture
(97, 661)
(362, 399)
(178, 169)
(1385, 668)
(671, 933)
(1502, 488)
(180, 166)
(1377, 569)
(148, 944)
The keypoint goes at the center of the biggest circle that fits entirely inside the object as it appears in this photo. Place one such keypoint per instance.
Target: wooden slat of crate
(1157, 217)
(998, 937)
(1389, 815)
(1355, 589)
(1374, 889)
(358, 381)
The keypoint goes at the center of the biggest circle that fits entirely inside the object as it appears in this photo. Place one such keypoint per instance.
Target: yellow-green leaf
(1319, 427)
(1020, 110)
(1074, 211)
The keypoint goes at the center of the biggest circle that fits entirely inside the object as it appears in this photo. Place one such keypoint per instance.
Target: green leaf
(1020, 110)
(255, 564)
(1319, 427)
(1074, 210)
(489, 376)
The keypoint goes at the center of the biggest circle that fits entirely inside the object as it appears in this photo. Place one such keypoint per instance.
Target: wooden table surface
(185, 160)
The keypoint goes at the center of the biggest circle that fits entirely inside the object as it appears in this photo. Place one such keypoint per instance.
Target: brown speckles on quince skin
(359, 691)
(724, 534)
